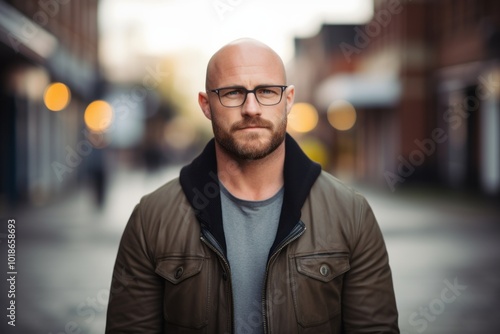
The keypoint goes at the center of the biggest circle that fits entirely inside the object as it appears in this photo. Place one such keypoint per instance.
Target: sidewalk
(444, 255)
(65, 256)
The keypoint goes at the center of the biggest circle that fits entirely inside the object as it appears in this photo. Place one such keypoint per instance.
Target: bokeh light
(315, 150)
(303, 117)
(98, 116)
(341, 115)
(56, 96)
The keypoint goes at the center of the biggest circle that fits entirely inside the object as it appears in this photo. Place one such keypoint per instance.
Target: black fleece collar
(200, 184)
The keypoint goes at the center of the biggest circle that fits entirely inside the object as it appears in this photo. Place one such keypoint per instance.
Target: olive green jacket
(327, 271)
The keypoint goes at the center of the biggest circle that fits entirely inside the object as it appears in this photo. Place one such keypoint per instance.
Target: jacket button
(178, 272)
(324, 270)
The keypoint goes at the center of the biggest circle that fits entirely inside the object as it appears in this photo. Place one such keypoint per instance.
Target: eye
(267, 91)
(232, 92)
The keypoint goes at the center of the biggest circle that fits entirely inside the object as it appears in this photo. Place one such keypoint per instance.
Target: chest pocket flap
(317, 287)
(323, 267)
(186, 292)
(177, 269)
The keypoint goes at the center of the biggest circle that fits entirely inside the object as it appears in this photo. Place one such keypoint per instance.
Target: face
(251, 131)
(251, 137)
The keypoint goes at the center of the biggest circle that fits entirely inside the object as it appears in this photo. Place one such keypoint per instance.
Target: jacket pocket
(186, 293)
(317, 286)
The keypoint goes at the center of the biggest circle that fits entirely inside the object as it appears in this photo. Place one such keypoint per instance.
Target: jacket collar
(200, 184)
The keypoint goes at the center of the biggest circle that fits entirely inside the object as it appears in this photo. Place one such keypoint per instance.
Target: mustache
(248, 123)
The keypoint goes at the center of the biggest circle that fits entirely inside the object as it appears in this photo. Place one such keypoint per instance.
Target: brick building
(43, 42)
(424, 79)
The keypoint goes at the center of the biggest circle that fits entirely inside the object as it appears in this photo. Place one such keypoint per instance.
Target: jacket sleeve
(368, 301)
(135, 304)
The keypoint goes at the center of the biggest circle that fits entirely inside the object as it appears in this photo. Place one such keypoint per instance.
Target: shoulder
(335, 206)
(330, 197)
(168, 200)
(337, 191)
(168, 190)
(164, 217)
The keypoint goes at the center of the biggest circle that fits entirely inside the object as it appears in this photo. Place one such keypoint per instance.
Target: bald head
(240, 59)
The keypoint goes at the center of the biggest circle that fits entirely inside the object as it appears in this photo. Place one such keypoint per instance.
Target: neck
(252, 180)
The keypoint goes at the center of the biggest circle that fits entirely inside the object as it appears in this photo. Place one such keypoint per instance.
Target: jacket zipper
(208, 239)
(296, 232)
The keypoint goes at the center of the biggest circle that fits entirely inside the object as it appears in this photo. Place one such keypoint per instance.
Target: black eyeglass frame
(247, 91)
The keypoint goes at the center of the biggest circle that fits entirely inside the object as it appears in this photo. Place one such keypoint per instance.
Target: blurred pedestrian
(98, 177)
(252, 237)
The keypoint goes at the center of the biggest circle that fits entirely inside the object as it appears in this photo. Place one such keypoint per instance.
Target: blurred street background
(399, 98)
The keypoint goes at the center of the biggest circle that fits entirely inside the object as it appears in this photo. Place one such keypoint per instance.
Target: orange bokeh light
(57, 96)
(303, 117)
(98, 116)
(341, 115)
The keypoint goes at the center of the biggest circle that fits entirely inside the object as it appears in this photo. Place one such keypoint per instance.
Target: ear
(290, 97)
(204, 104)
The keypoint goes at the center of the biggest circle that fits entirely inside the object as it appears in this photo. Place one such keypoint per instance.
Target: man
(252, 237)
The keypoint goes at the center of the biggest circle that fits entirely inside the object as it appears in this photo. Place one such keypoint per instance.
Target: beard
(253, 145)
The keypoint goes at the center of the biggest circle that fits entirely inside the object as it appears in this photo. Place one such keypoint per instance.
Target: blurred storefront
(423, 79)
(43, 136)
(466, 76)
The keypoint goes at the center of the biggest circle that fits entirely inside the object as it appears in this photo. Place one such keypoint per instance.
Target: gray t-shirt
(250, 229)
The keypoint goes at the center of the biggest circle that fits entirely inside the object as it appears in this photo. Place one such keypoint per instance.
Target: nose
(251, 107)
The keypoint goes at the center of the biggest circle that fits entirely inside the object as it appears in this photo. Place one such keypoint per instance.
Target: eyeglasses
(266, 95)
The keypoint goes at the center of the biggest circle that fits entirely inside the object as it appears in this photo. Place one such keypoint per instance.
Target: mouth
(251, 127)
